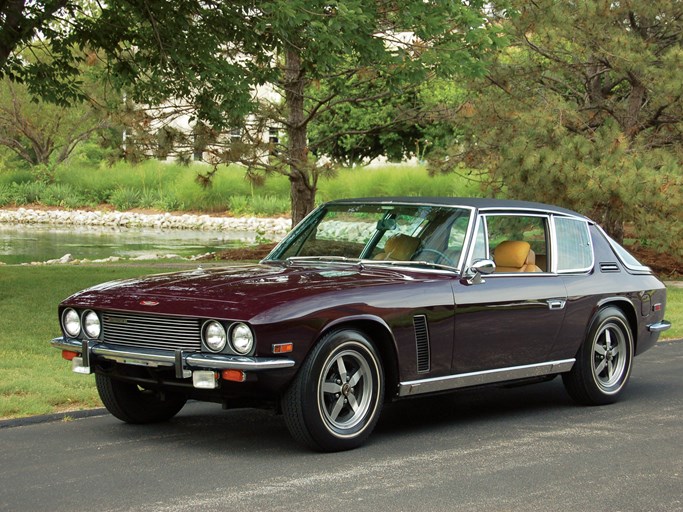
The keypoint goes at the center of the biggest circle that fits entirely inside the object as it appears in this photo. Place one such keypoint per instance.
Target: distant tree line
(573, 103)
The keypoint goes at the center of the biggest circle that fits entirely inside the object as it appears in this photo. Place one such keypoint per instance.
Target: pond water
(27, 243)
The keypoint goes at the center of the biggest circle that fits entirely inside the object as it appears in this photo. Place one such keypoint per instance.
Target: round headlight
(241, 338)
(71, 322)
(91, 324)
(214, 336)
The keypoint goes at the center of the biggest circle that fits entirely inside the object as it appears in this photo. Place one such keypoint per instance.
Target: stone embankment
(277, 227)
(267, 228)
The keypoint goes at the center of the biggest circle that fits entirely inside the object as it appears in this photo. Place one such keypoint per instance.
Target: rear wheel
(603, 363)
(132, 404)
(336, 398)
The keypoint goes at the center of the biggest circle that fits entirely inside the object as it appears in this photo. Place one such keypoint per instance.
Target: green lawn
(33, 377)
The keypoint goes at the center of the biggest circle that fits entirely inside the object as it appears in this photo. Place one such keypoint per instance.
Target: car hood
(239, 292)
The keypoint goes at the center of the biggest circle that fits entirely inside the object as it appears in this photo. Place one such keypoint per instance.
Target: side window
(574, 250)
(480, 251)
(513, 256)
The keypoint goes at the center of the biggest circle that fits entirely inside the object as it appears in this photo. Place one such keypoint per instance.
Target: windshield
(380, 232)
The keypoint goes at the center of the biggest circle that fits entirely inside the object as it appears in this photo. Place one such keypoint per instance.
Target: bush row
(170, 187)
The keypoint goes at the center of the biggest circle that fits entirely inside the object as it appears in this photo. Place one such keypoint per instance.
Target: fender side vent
(422, 343)
(609, 266)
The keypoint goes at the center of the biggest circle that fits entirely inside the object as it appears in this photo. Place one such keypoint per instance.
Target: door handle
(556, 303)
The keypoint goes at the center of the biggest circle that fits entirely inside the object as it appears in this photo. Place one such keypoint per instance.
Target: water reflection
(26, 243)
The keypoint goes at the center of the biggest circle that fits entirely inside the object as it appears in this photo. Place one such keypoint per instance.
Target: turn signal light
(234, 375)
(282, 348)
(68, 355)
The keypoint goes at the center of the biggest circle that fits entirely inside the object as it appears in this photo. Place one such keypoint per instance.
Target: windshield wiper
(418, 263)
(365, 262)
(342, 259)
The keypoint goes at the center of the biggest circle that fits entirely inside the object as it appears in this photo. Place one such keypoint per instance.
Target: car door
(512, 318)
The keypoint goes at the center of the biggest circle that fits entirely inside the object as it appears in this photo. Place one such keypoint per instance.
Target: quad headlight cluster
(88, 323)
(216, 337)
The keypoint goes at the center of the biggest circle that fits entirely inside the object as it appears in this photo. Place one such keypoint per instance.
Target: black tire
(131, 404)
(604, 361)
(335, 400)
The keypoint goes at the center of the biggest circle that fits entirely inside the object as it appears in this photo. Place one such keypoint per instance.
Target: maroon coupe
(372, 300)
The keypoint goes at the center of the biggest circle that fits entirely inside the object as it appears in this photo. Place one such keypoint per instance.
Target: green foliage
(125, 198)
(211, 56)
(259, 205)
(34, 379)
(395, 126)
(43, 134)
(395, 181)
(63, 196)
(586, 112)
(172, 187)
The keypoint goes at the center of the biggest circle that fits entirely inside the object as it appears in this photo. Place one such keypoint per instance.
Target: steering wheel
(441, 256)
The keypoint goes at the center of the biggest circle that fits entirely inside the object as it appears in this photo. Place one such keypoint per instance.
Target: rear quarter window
(574, 248)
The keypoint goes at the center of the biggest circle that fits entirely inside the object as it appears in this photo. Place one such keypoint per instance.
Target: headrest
(401, 247)
(512, 253)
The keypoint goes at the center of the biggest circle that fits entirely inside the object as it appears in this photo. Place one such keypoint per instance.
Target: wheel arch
(383, 339)
(628, 309)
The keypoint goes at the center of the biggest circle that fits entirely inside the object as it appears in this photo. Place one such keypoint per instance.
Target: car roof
(481, 204)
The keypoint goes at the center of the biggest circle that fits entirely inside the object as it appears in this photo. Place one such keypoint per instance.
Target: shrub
(269, 205)
(125, 198)
(239, 205)
(27, 193)
(63, 196)
(5, 195)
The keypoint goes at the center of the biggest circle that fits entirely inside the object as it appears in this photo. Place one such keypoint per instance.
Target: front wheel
(603, 363)
(335, 400)
(132, 404)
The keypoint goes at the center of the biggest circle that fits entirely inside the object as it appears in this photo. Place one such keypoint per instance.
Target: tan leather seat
(542, 262)
(399, 247)
(515, 256)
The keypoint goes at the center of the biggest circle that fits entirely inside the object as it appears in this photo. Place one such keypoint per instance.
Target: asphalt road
(525, 448)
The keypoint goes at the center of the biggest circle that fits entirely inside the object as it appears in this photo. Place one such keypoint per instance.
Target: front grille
(149, 331)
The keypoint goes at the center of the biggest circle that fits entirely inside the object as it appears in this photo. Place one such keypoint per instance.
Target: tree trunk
(302, 178)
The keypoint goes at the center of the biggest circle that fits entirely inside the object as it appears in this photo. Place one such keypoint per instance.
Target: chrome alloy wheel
(609, 355)
(346, 389)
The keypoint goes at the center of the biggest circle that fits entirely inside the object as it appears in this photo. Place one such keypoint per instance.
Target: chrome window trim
(473, 242)
(303, 225)
(468, 237)
(553, 229)
(510, 213)
(633, 268)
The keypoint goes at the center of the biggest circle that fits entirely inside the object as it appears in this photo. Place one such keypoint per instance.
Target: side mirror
(479, 268)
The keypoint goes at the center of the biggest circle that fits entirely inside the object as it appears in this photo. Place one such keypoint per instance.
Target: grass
(33, 377)
(674, 312)
(173, 187)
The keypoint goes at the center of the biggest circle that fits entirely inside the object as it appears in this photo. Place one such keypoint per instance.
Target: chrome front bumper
(184, 362)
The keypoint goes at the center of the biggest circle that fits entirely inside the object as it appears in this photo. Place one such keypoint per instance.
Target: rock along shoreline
(268, 228)
(116, 219)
